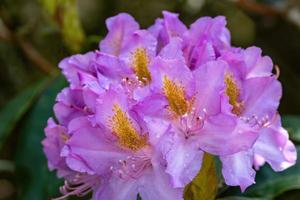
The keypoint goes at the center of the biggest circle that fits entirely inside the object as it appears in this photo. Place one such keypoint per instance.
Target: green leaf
(34, 181)
(66, 16)
(270, 184)
(13, 111)
(72, 30)
(204, 186)
(292, 124)
(49, 5)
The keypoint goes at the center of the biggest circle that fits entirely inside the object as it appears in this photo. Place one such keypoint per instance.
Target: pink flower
(141, 111)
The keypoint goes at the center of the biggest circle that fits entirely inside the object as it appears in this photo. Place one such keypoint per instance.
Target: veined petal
(224, 135)
(200, 54)
(70, 104)
(78, 63)
(173, 26)
(274, 147)
(184, 161)
(237, 169)
(105, 104)
(120, 27)
(91, 149)
(139, 39)
(115, 188)
(112, 67)
(261, 97)
(175, 70)
(153, 105)
(210, 29)
(209, 84)
(56, 136)
(167, 28)
(257, 65)
(156, 185)
(173, 50)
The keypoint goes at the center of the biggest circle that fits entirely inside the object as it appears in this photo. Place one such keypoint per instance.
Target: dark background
(36, 34)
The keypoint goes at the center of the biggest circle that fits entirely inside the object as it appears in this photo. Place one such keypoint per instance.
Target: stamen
(140, 65)
(175, 96)
(80, 186)
(124, 130)
(233, 93)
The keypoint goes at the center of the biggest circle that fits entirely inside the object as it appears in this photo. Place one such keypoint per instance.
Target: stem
(28, 49)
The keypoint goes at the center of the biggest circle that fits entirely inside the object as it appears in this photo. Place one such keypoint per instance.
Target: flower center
(175, 95)
(233, 92)
(124, 130)
(140, 65)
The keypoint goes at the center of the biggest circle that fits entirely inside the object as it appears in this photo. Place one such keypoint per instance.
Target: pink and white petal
(156, 185)
(184, 161)
(78, 63)
(209, 83)
(65, 113)
(90, 99)
(261, 97)
(75, 162)
(237, 169)
(112, 67)
(139, 39)
(157, 30)
(116, 188)
(200, 54)
(210, 29)
(90, 82)
(173, 27)
(91, 149)
(173, 50)
(224, 135)
(157, 128)
(236, 62)
(257, 65)
(53, 143)
(104, 105)
(154, 105)
(120, 27)
(70, 104)
(174, 69)
(274, 146)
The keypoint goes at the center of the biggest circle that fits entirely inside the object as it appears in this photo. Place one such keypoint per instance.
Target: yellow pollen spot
(233, 93)
(175, 96)
(64, 137)
(124, 130)
(140, 65)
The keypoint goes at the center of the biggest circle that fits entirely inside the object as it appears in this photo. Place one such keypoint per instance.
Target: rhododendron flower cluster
(141, 111)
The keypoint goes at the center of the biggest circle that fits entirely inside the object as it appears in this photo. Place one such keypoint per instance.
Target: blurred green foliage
(36, 34)
(65, 14)
(36, 182)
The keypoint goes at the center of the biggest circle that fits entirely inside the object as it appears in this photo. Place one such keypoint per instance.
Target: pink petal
(237, 169)
(120, 27)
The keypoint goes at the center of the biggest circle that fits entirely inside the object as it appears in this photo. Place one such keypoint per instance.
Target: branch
(259, 8)
(28, 49)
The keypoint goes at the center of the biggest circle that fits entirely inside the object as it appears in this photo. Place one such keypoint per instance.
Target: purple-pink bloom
(141, 111)
(122, 149)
